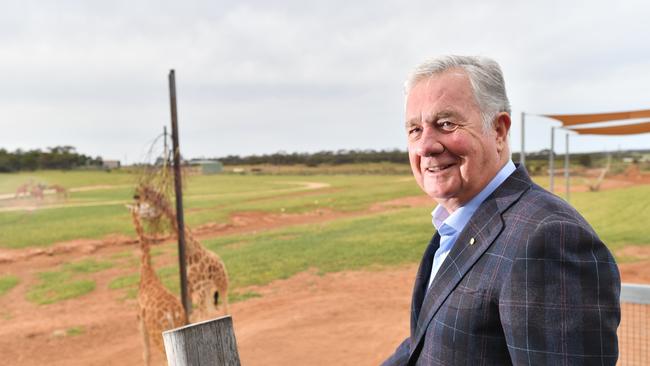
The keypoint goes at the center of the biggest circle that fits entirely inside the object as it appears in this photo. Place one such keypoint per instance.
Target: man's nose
(429, 143)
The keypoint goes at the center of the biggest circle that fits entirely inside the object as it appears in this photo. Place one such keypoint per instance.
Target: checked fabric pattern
(528, 282)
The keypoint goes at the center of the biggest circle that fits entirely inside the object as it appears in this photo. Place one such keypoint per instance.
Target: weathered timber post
(211, 342)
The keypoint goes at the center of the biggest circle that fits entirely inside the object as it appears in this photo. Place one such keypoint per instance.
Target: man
(514, 275)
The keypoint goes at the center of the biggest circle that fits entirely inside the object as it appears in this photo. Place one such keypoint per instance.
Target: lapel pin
(472, 241)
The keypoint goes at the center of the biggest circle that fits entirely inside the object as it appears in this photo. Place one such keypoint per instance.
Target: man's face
(451, 156)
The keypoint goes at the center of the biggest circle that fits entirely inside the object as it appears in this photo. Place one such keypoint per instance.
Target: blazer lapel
(480, 232)
(422, 280)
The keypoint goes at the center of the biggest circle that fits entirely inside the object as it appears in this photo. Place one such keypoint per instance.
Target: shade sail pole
(522, 155)
(551, 161)
(567, 183)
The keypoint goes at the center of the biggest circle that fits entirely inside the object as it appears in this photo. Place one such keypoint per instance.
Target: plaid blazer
(528, 282)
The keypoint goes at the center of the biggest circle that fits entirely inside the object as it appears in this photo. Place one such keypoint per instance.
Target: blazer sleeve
(559, 304)
(401, 355)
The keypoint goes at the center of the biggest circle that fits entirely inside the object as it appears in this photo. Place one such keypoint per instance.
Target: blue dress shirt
(450, 226)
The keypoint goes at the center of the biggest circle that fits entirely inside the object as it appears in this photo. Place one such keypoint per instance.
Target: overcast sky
(265, 76)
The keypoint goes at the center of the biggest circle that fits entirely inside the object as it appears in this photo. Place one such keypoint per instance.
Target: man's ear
(501, 128)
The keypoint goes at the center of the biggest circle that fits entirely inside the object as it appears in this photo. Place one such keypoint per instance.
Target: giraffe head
(142, 206)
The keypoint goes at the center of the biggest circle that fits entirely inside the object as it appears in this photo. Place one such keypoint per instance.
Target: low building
(110, 164)
(206, 167)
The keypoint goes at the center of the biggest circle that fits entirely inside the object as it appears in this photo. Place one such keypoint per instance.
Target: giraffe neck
(158, 201)
(145, 257)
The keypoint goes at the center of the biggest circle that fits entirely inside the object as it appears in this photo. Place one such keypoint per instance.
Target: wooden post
(211, 342)
(185, 300)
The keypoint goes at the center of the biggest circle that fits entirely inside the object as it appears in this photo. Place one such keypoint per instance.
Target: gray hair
(484, 74)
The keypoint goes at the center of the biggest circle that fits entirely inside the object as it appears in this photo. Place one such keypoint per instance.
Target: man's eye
(413, 130)
(447, 126)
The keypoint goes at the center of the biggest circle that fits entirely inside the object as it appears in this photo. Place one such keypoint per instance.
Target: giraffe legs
(213, 299)
(145, 340)
(223, 298)
(209, 301)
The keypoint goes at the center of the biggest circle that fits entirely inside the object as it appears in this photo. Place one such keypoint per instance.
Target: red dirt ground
(348, 318)
(294, 322)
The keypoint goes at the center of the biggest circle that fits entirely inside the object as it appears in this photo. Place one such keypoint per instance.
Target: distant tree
(321, 157)
(57, 157)
(585, 160)
(30, 160)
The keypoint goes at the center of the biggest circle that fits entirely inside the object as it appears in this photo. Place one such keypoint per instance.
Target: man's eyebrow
(416, 121)
(442, 114)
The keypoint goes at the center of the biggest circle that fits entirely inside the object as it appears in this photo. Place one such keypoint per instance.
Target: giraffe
(158, 309)
(206, 273)
(59, 190)
(36, 191)
(23, 190)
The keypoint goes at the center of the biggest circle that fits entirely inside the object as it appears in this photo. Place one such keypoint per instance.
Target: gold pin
(471, 241)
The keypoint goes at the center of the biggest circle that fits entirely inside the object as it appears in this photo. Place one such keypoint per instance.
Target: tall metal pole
(566, 167)
(551, 161)
(522, 155)
(179, 196)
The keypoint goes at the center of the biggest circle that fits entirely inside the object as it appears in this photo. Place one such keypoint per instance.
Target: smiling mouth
(437, 168)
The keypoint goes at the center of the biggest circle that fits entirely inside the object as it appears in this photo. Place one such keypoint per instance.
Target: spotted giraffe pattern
(158, 309)
(206, 273)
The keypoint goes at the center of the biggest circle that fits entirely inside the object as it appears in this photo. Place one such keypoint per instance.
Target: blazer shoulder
(540, 207)
(546, 225)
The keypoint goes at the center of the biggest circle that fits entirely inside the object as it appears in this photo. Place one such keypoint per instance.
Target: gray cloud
(259, 76)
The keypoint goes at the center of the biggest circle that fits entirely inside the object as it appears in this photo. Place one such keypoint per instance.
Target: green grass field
(96, 213)
(368, 240)
(10, 181)
(7, 283)
(68, 282)
(620, 216)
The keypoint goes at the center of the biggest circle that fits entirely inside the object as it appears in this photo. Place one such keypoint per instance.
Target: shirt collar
(448, 224)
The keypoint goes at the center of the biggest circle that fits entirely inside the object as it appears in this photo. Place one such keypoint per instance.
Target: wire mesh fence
(633, 337)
